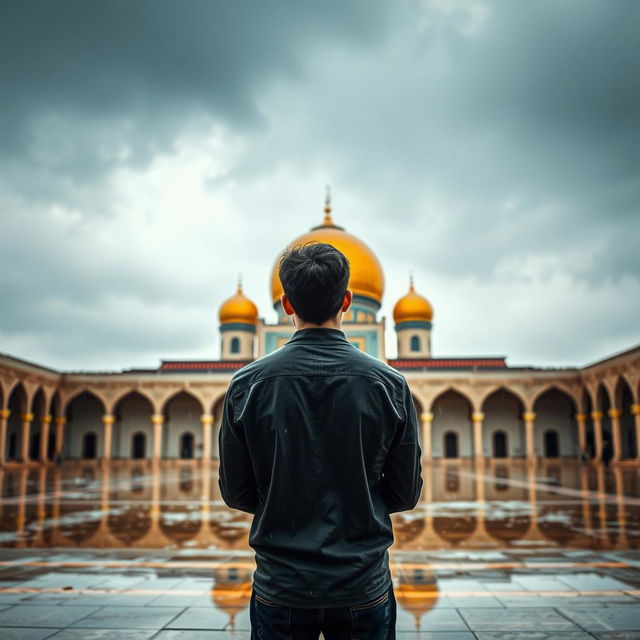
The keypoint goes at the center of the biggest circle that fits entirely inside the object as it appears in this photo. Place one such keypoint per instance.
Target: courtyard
(495, 549)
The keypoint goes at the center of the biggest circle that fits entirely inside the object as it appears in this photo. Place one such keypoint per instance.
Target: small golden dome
(238, 308)
(367, 278)
(412, 307)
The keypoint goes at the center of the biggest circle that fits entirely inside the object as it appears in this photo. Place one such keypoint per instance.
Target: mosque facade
(469, 407)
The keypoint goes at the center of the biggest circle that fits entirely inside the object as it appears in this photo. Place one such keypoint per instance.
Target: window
(89, 445)
(450, 445)
(415, 343)
(235, 345)
(499, 444)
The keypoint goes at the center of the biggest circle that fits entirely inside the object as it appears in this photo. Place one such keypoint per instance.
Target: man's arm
(237, 482)
(401, 480)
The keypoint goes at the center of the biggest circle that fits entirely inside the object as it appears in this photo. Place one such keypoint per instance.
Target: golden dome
(412, 307)
(366, 278)
(238, 308)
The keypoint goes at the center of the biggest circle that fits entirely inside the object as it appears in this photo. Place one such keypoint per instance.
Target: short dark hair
(314, 277)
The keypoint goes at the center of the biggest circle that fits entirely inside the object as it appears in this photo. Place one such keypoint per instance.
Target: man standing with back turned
(319, 441)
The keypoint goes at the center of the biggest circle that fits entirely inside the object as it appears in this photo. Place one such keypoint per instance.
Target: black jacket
(319, 441)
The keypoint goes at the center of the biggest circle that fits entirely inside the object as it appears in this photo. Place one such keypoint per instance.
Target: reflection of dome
(412, 307)
(366, 279)
(417, 591)
(238, 308)
(232, 590)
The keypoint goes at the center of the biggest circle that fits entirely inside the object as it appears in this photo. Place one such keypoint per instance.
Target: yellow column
(426, 417)
(596, 416)
(529, 418)
(635, 410)
(107, 421)
(157, 419)
(207, 421)
(581, 419)
(477, 417)
(45, 425)
(26, 419)
(4, 416)
(615, 414)
(60, 422)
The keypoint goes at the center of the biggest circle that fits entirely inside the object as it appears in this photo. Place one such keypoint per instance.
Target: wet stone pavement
(137, 550)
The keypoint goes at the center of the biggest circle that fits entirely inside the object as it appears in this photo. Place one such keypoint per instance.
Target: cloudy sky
(151, 151)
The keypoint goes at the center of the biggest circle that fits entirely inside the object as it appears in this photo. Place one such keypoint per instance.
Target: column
(596, 416)
(25, 435)
(107, 421)
(157, 419)
(4, 416)
(426, 417)
(581, 419)
(477, 417)
(207, 421)
(45, 425)
(529, 418)
(615, 414)
(635, 410)
(60, 422)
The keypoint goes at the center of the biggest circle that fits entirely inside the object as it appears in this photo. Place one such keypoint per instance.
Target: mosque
(469, 407)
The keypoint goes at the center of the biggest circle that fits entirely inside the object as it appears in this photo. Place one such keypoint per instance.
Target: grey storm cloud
(478, 141)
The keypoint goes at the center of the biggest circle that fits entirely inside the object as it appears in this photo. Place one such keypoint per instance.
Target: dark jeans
(375, 620)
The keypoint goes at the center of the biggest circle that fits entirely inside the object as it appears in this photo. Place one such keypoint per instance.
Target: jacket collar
(319, 336)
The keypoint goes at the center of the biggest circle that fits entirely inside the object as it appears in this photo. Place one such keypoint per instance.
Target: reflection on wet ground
(144, 550)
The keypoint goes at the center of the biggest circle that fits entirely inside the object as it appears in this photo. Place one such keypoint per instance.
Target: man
(319, 441)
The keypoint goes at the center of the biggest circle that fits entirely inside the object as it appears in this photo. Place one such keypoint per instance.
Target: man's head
(314, 278)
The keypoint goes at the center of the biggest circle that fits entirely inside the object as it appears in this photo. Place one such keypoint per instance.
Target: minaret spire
(328, 220)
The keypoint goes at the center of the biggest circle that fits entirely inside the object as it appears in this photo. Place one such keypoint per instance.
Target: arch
(182, 413)
(38, 409)
(603, 405)
(187, 445)
(132, 414)
(17, 405)
(503, 410)
(134, 393)
(561, 388)
(451, 413)
(450, 445)
(415, 343)
(234, 345)
(455, 391)
(90, 445)
(84, 415)
(139, 445)
(501, 388)
(66, 401)
(624, 401)
(555, 411)
(500, 444)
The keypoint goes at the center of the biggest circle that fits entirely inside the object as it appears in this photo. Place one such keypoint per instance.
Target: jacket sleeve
(237, 482)
(401, 480)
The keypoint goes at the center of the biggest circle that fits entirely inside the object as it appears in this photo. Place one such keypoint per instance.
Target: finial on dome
(239, 283)
(411, 281)
(328, 220)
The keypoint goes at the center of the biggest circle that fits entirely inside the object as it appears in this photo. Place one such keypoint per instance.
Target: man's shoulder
(257, 369)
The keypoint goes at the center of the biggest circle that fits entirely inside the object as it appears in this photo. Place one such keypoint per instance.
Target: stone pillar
(207, 421)
(107, 420)
(596, 416)
(635, 410)
(45, 425)
(477, 417)
(426, 417)
(4, 416)
(60, 422)
(157, 419)
(25, 435)
(581, 419)
(615, 414)
(529, 418)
